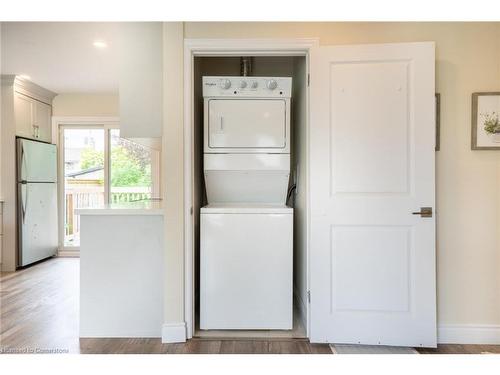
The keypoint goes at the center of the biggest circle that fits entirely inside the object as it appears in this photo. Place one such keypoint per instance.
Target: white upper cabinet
(141, 79)
(32, 109)
(42, 121)
(23, 112)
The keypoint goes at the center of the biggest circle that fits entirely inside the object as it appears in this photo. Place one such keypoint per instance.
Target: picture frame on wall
(438, 122)
(485, 121)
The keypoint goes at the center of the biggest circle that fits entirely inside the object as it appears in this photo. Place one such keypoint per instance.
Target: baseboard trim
(68, 254)
(173, 332)
(469, 334)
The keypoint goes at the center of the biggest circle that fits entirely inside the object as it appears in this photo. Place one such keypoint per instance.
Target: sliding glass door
(130, 170)
(99, 167)
(84, 155)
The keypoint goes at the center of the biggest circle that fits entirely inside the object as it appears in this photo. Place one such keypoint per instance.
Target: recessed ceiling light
(100, 44)
(25, 76)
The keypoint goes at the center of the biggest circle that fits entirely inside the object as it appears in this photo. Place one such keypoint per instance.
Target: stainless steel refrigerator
(36, 201)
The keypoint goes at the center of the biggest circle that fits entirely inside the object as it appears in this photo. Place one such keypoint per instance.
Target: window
(100, 167)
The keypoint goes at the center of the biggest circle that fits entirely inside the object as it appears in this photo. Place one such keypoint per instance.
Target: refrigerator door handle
(24, 199)
(23, 163)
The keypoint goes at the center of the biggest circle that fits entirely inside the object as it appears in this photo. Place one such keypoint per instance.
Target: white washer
(246, 267)
(246, 231)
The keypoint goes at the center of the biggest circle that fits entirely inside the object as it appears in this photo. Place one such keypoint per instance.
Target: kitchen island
(121, 270)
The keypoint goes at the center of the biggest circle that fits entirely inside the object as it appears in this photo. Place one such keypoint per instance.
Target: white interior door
(372, 165)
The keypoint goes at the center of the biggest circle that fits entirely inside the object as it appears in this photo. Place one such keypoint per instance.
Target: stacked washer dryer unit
(246, 230)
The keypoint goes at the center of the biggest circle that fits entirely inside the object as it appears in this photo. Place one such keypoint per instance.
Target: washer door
(247, 123)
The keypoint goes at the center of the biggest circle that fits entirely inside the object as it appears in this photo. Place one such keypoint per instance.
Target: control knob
(225, 84)
(272, 84)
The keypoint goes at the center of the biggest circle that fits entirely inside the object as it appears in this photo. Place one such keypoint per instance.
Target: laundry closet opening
(217, 304)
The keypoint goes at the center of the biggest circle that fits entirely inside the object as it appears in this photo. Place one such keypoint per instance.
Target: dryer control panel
(247, 86)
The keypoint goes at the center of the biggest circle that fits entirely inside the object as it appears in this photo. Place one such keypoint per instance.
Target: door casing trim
(58, 122)
(227, 47)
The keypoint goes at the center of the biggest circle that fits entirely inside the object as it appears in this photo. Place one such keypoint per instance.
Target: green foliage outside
(129, 166)
(91, 158)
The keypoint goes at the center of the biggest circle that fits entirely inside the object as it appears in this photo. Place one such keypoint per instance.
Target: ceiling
(60, 56)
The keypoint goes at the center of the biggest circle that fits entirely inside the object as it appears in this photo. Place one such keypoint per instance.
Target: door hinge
(309, 296)
(308, 79)
(191, 211)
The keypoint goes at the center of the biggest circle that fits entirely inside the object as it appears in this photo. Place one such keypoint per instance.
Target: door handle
(23, 163)
(221, 124)
(24, 200)
(424, 212)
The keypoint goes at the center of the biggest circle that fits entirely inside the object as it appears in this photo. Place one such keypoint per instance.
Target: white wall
(0, 122)
(140, 79)
(173, 192)
(468, 182)
(86, 105)
(8, 190)
(1, 169)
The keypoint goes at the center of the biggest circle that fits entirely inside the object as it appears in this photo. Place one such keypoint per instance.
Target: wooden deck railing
(81, 196)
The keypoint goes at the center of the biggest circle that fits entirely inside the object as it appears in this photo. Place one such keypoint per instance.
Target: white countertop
(145, 207)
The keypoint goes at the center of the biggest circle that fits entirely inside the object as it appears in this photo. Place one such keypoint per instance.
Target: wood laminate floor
(39, 314)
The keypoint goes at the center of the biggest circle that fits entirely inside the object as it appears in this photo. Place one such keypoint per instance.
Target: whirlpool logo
(210, 84)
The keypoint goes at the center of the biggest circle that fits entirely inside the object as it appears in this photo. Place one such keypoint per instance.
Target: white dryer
(246, 230)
